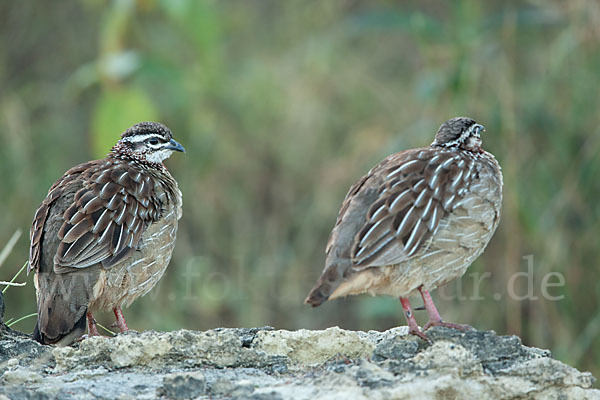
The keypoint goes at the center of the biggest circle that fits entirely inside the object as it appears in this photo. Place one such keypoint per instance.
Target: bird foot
(413, 327)
(450, 325)
(120, 322)
(82, 338)
(416, 332)
(92, 328)
(85, 336)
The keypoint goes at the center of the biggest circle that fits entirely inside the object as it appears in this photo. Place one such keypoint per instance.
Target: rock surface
(263, 363)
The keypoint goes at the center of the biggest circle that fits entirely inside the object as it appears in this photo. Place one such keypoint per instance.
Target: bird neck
(123, 152)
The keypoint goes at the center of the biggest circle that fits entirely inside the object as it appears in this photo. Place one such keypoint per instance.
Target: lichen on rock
(263, 363)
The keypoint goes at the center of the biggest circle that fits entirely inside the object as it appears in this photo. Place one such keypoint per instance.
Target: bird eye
(153, 141)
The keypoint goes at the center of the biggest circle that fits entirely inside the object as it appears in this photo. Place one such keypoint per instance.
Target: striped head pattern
(149, 142)
(459, 133)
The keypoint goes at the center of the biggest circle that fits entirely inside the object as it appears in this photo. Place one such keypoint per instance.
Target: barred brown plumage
(417, 220)
(104, 234)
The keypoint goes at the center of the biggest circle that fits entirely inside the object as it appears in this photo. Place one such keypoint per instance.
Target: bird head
(461, 133)
(148, 141)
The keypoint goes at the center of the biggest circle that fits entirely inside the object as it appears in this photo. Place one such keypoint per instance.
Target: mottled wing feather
(41, 215)
(354, 189)
(409, 207)
(106, 220)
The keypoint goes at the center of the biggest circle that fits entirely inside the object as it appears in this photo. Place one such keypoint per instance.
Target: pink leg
(92, 328)
(413, 328)
(434, 315)
(120, 319)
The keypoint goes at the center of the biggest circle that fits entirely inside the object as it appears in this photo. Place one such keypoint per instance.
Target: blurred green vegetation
(282, 105)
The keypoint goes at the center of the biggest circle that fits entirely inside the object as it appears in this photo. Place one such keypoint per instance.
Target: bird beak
(480, 128)
(173, 145)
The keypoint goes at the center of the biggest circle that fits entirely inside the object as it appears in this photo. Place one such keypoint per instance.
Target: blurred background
(282, 105)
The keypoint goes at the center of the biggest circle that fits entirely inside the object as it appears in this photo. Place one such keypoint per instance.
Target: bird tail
(316, 297)
(63, 338)
(37, 334)
(325, 286)
(62, 306)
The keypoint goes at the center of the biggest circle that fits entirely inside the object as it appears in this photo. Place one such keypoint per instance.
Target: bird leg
(92, 328)
(120, 319)
(413, 328)
(434, 315)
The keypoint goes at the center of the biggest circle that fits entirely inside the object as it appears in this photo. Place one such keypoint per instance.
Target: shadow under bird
(104, 235)
(416, 221)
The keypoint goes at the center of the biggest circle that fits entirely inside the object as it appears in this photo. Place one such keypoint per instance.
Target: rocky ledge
(264, 363)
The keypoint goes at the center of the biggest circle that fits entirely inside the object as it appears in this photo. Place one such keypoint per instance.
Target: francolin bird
(104, 235)
(416, 221)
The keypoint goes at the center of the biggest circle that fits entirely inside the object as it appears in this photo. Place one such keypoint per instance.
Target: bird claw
(419, 334)
(84, 337)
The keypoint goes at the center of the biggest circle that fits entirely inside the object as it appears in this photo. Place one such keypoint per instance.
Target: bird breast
(121, 284)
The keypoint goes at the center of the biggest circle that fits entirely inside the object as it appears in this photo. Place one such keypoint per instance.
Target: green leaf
(116, 111)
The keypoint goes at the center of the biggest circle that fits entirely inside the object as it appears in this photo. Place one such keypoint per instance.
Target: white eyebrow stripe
(141, 138)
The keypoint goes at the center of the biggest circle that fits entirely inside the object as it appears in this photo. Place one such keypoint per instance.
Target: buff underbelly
(457, 243)
(120, 285)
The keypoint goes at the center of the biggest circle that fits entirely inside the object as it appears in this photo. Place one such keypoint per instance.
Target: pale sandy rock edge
(263, 363)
